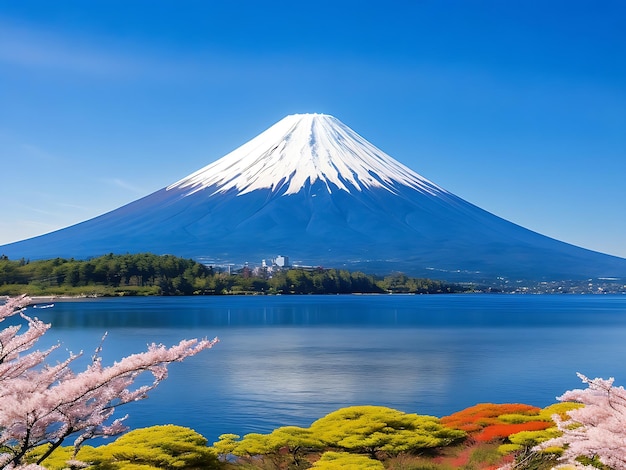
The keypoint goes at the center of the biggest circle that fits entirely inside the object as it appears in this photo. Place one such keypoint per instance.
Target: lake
(288, 360)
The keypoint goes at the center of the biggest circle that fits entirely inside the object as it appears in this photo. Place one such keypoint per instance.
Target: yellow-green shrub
(371, 429)
(346, 461)
(166, 447)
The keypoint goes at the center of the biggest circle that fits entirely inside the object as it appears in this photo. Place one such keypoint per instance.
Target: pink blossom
(596, 430)
(45, 404)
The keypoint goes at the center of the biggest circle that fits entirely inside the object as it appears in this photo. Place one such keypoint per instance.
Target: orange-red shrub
(479, 416)
(502, 431)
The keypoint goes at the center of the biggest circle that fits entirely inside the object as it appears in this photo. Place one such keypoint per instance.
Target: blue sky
(516, 106)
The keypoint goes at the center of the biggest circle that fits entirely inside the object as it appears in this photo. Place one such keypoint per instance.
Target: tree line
(150, 274)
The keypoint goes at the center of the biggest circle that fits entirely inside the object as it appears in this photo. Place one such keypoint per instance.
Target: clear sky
(518, 106)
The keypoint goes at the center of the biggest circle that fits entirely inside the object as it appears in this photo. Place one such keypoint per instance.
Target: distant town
(588, 286)
(267, 267)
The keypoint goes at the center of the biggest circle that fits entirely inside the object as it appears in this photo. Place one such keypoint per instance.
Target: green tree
(292, 440)
(226, 445)
(295, 440)
(8, 271)
(254, 444)
(373, 429)
(165, 447)
(346, 461)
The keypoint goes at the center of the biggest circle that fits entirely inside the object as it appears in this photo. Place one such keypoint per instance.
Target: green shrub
(163, 447)
(346, 461)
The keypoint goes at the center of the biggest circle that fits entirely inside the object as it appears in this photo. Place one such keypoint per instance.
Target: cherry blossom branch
(597, 430)
(44, 404)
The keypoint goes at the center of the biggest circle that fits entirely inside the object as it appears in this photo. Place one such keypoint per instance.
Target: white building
(281, 261)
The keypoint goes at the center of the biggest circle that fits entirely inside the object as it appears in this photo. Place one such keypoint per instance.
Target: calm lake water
(290, 360)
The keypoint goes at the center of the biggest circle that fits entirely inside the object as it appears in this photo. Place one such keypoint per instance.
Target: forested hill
(149, 274)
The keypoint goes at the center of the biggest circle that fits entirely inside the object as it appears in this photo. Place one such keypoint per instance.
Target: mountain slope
(312, 189)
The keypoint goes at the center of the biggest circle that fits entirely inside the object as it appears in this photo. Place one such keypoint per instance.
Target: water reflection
(371, 311)
(290, 360)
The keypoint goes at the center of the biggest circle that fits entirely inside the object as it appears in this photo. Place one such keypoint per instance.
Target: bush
(164, 447)
(346, 461)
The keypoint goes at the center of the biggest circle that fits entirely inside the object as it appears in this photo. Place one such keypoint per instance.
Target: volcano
(311, 188)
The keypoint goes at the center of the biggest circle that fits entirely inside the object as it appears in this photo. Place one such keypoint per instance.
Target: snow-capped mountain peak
(350, 206)
(303, 148)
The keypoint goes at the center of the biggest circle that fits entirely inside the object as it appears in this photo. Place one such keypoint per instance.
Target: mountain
(311, 188)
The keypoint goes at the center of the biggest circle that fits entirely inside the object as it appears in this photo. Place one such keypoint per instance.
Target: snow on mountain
(305, 148)
(311, 188)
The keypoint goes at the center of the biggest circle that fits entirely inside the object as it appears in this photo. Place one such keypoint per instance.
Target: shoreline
(39, 299)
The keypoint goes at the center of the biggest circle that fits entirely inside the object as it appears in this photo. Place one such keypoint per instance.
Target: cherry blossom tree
(44, 404)
(595, 431)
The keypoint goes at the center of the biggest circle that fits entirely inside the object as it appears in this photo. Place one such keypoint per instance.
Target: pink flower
(44, 404)
(596, 430)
